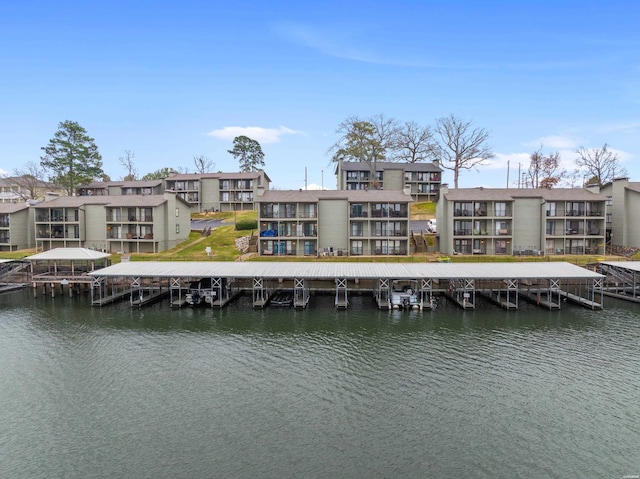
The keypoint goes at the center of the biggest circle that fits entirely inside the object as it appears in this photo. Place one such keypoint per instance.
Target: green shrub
(246, 224)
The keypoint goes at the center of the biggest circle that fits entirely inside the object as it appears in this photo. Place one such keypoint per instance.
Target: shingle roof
(509, 194)
(125, 200)
(634, 186)
(12, 207)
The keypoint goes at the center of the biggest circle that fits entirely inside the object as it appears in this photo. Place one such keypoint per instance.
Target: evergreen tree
(72, 157)
(248, 153)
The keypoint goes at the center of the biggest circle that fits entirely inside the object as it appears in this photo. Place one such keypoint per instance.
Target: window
(551, 228)
(177, 229)
(501, 209)
(357, 228)
(356, 247)
(462, 208)
(177, 212)
(551, 209)
(356, 210)
(501, 246)
(462, 246)
(462, 228)
(501, 228)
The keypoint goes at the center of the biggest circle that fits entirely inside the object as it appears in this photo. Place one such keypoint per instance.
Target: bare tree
(28, 182)
(386, 134)
(127, 162)
(544, 170)
(367, 141)
(460, 146)
(203, 164)
(414, 143)
(600, 164)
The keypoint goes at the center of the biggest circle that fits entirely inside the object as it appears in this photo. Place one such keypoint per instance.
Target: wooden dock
(499, 298)
(151, 297)
(112, 298)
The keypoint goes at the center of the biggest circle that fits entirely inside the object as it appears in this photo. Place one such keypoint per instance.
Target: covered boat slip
(622, 279)
(65, 267)
(545, 283)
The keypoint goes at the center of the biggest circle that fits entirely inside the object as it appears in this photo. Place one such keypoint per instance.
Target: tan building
(219, 191)
(16, 226)
(521, 221)
(121, 188)
(333, 222)
(623, 211)
(422, 179)
(128, 224)
(18, 189)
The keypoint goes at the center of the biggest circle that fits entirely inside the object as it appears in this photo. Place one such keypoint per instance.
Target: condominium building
(521, 221)
(16, 189)
(623, 211)
(16, 227)
(333, 222)
(219, 191)
(118, 188)
(124, 223)
(421, 179)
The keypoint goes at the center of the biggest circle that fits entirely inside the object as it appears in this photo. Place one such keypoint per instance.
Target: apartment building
(121, 188)
(219, 191)
(333, 222)
(16, 227)
(16, 189)
(623, 211)
(422, 179)
(124, 223)
(521, 221)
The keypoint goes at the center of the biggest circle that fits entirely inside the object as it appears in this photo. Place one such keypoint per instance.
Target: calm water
(320, 393)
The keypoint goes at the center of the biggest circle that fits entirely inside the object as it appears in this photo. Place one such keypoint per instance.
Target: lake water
(235, 393)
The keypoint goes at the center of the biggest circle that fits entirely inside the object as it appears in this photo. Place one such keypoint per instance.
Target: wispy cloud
(347, 42)
(630, 127)
(512, 160)
(3, 173)
(557, 142)
(261, 135)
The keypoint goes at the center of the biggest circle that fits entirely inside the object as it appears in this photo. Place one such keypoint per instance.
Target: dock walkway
(347, 276)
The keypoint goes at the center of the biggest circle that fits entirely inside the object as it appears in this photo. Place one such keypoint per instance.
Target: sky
(170, 80)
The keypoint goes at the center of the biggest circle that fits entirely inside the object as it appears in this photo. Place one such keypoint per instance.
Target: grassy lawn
(221, 241)
(426, 208)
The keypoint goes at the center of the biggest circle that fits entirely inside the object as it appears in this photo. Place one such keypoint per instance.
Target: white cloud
(501, 160)
(3, 173)
(261, 135)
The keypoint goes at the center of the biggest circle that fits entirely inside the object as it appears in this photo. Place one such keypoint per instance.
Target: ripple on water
(318, 393)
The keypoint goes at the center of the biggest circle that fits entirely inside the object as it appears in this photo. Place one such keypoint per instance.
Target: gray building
(219, 191)
(521, 221)
(127, 224)
(122, 188)
(333, 222)
(16, 226)
(421, 179)
(623, 211)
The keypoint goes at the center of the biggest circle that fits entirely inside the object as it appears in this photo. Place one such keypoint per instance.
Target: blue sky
(173, 80)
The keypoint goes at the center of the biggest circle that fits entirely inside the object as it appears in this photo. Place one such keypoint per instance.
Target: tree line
(458, 145)
(71, 158)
